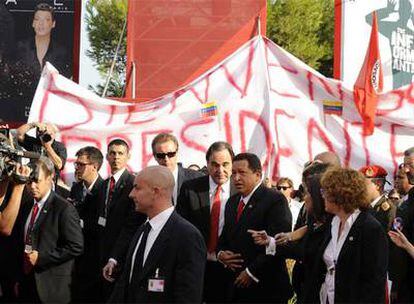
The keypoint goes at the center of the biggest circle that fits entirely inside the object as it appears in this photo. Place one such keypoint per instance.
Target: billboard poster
(353, 21)
(31, 34)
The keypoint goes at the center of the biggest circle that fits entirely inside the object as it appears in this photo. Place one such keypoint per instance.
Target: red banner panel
(171, 42)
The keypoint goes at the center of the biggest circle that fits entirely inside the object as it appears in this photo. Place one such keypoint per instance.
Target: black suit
(87, 274)
(179, 253)
(194, 205)
(184, 175)
(403, 263)
(122, 222)
(57, 236)
(266, 210)
(360, 271)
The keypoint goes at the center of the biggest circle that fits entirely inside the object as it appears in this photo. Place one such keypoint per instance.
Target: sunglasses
(282, 187)
(163, 155)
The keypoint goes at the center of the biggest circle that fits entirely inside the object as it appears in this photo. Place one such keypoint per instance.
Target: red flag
(369, 82)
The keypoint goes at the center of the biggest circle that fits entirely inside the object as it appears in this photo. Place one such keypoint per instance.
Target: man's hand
(230, 259)
(31, 257)
(21, 174)
(243, 280)
(259, 237)
(29, 260)
(109, 270)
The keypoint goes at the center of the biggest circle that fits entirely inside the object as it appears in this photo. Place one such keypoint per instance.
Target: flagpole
(111, 70)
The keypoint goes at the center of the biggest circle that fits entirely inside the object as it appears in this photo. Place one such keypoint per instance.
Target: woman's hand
(283, 238)
(259, 237)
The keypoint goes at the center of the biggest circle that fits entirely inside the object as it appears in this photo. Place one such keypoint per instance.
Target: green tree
(105, 20)
(304, 28)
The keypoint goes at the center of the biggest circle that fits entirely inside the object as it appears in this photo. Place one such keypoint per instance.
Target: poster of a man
(395, 22)
(43, 31)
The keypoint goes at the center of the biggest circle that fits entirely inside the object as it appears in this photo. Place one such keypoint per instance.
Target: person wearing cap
(383, 208)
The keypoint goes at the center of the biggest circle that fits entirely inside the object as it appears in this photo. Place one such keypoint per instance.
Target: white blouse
(330, 256)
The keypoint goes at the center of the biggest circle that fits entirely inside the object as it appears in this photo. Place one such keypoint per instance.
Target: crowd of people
(216, 234)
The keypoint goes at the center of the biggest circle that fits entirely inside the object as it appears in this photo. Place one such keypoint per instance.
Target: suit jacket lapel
(251, 204)
(41, 218)
(158, 246)
(119, 186)
(204, 196)
(353, 235)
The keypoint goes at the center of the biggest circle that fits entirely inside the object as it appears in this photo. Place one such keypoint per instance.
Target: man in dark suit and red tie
(256, 277)
(166, 258)
(51, 232)
(116, 217)
(202, 201)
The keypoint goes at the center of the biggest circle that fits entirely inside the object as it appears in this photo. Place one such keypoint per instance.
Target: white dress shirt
(330, 256)
(157, 223)
(224, 196)
(175, 194)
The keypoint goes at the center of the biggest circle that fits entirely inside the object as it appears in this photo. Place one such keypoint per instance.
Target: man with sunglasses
(165, 148)
(285, 186)
(83, 196)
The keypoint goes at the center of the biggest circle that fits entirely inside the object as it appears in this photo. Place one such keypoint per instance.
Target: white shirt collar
(247, 198)
(158, 221)
(375, 201)
(225, 188)
(43, 200)
(118, 174)
(92, 184)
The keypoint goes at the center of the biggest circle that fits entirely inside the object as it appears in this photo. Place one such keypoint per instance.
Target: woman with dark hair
(351, 263)
(303, 243)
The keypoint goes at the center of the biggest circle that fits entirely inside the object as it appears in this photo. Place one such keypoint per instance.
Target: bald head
(159, 177)
(152, 191)
(328, 157)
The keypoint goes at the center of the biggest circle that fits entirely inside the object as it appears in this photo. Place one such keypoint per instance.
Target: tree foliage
(304, 28)
(105, 20)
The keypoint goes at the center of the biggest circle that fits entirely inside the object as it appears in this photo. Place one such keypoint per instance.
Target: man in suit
(402, 286)
(202, 201)
(256, 277)
(50, 228)
(165, 262)
(83, 195)
(165, 148)
(116, 219)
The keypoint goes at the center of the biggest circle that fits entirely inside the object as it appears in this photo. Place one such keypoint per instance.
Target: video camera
(9, 157)
(44, 136)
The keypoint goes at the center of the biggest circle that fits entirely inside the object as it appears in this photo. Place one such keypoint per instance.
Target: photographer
(10, 198)
(12, 193)
(44, 143)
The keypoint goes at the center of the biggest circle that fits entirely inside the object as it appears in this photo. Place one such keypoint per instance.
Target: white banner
(396, 39)
(268, 102)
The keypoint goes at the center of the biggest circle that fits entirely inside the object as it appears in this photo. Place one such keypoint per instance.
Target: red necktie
(35, 210)
(214, 221)
(240, 208)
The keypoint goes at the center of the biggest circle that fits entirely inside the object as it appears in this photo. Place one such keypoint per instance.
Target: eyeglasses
(163, 155)
(282, 187)
(80, 165)
(394, 198)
